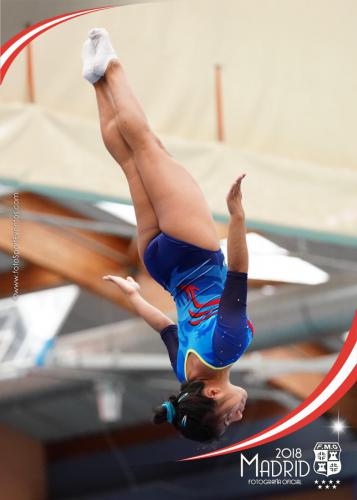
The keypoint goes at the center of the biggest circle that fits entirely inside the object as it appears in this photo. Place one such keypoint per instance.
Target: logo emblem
(327, 458)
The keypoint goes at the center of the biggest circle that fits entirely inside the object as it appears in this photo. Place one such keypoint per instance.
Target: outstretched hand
(234, 197)
(129, 286)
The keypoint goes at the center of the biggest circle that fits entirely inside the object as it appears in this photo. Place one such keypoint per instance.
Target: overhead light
(270, 262)
(268, 290)
(109, 395)
(121, 210)
(35, 320)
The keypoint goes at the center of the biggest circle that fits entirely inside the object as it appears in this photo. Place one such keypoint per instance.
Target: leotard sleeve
(233, 332)
(169, 336)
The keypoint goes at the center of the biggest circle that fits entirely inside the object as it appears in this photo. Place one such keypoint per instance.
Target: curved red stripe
(197, 314)
(250, 324)
(205, 304)
(347, 384)
(18, 35)
(194, 323)
(9, 43)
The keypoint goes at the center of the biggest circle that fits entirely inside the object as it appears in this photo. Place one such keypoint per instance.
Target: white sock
(88, 55)
(104, 52)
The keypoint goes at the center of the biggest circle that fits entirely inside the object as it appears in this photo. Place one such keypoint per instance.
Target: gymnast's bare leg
(147, 222)
(176, 198)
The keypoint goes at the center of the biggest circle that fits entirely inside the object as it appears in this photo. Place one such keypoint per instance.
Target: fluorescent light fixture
(109, 395)
(34, 320)
(270, 262)
(120, 210)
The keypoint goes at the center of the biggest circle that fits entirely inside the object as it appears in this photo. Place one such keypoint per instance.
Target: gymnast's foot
(104, 52)
(88, 55)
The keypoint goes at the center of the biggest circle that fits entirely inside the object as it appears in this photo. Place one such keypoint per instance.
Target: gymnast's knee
(149, 145)
(144, 138)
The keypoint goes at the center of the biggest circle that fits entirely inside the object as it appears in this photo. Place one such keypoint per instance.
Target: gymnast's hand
(234, 197)
(129, 286)
(152, 315)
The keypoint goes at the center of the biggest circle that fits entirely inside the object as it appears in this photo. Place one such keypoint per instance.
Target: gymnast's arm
(233, 332)
(237, 250)
(153, 316)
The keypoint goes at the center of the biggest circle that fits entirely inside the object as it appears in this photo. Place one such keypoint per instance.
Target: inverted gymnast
(178, 244)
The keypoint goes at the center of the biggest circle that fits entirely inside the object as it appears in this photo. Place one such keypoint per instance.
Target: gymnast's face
(231, 401)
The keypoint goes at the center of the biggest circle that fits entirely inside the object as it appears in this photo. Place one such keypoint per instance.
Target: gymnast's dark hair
(191, 412)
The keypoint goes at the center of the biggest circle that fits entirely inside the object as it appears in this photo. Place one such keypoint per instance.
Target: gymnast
(178, 244)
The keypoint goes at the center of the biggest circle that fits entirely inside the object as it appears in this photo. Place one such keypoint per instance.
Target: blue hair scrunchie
(170, 411)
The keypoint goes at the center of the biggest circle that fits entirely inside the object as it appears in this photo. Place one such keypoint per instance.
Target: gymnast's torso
(210, 302)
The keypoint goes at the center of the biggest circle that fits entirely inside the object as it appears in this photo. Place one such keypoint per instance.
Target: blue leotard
(211, 303)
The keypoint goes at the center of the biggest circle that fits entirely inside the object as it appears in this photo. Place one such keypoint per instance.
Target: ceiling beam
(33, 278)
(76, 255)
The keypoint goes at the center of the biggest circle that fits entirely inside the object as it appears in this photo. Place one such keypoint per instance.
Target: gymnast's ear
(212, 391)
